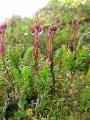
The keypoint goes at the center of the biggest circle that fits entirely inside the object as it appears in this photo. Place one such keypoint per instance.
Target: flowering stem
(35, 30)
(53, 76)
(36, 45)
(75, 40)
(75, 25)
(51, 32)
(68, 43)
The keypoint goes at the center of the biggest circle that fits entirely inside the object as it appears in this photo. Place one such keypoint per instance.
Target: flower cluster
(36, 31)
(75, 26)
(2, 31)
(52, 30)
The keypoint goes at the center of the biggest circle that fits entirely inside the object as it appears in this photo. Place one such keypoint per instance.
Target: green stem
(53, 76)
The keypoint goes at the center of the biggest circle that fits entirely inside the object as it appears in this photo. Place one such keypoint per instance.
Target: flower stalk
(2, 31)
(68, 43)
(52, 31)
(2, 50)
(35, 30)
(75, 26)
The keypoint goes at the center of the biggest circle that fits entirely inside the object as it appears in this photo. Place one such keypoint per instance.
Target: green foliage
(28, 85)
(20, 114)
(22, 102)
(28, 56)
(26, 77)
(69, 60)
(59, 54)
(81, 59)
(43, 105)
(43, 81)
(85, 95)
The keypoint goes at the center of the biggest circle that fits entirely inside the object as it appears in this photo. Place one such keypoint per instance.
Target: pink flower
(52, 31)
(37, 26)
(2, 31)
(35, 30)
(75, 23)
(75, 26)
(36, 39)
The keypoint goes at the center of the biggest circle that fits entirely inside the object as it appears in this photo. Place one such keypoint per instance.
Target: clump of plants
(51, 84)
